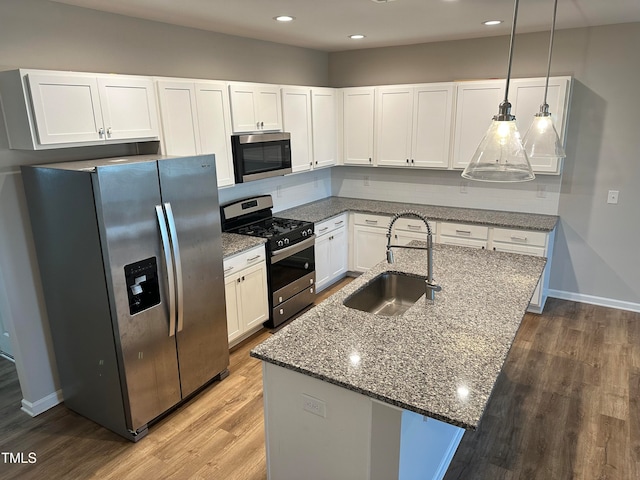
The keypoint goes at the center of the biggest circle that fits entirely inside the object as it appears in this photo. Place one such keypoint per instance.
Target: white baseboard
(593, 300)
(42, 405)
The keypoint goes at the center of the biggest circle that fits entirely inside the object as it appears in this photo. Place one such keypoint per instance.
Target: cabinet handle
(257, 124)
(239, 280)
(316, 162)
(261, 124)
(371, 222)
(228, 269)
(323, 229)
(339, 223)
(310, 164)
(253, 258)
(407, 160)
(463, 232)
(243, 278)
(101, 132)
(414, 227)
(515, 238)
(369, 159)
(412, 161)
(109, 132)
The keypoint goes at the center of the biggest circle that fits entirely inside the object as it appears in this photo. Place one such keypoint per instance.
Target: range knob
(309, 231)
(280, 243)
(304, 233)
(286, 241)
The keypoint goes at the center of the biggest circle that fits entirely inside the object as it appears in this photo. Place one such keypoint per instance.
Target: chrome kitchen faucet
(431, 287)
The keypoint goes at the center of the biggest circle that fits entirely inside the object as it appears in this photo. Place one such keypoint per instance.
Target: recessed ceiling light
(356, 36)
(284, 18)
(492, 22)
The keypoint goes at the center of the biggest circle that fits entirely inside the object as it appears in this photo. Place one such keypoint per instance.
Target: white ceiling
(326, 24)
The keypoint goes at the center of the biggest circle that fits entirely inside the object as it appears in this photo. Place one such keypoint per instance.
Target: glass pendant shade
(541, 140)
(500, 157)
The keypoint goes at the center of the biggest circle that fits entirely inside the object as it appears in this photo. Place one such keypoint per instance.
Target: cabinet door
(370, 245)
(323, 261)
(214, 125)
(178, 113)
(477, 103)
(358, 126)
(253, 301)
(128, 107)
(339, 253)
(66, 108)
(324, 127)
(243, 108)
(231, 297)
(296, 113)
(432, 115)
(526, 97)
(269, 107)
(394, 117)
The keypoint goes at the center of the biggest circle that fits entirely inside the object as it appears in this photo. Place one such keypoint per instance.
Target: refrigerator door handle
(173, 235)
(169, 263)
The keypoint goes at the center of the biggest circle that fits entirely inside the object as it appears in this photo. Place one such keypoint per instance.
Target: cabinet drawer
(329, 225)
(414, 225)
(371, 220)
(463, 231)
(517, 248)
(520, 237)
(244, 259)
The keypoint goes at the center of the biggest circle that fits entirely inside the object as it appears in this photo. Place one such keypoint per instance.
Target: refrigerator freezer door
(126, 197)
(189, 186)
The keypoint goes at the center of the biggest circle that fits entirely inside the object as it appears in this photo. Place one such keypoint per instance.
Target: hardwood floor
(565, 407)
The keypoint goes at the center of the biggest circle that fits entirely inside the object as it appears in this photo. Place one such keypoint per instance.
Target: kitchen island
(343, 387)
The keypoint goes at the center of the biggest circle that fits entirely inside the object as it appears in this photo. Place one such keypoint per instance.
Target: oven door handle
(298, 247)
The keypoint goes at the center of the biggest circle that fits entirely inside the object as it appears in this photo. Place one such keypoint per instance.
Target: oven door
(292, 270)
(261, 156)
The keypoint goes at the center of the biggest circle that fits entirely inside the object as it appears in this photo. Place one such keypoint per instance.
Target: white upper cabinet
(255, 107)
(358, 125)
(324, 121)
(476, 104)
(526, 96)
(413, 125)
(48, 109)
(196, 120)
(296, 116)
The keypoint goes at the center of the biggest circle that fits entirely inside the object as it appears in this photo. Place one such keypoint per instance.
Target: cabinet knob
(257, 124)
(412, 161)
(261, 124)
(407, 160)
(369, 159)
(101, 132)
(109, 132)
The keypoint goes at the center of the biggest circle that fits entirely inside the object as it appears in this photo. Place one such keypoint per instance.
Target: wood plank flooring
(565, 407)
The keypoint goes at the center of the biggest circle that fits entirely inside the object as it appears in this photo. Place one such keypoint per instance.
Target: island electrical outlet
(314, 405)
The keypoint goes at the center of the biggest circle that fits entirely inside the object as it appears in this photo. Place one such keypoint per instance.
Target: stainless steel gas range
(290, 254)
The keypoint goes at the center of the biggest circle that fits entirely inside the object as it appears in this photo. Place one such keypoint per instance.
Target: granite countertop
(331, 206)
(438, 359)
(233, 243)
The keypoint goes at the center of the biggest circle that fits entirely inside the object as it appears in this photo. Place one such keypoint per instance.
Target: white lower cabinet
(475, 236)
(331, 251)
(245, 286)
(369, 240)
(527, 243)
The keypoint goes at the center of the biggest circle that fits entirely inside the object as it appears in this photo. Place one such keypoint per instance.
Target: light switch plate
(612, 196)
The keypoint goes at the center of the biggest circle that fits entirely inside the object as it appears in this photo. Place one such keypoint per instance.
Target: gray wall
(48, 35)
(596, 253)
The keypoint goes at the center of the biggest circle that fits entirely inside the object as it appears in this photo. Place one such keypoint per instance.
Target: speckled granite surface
(425, 359)
(233, 243)
(329, 207)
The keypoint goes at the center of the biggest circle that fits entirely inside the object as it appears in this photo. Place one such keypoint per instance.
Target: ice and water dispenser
(142, 285)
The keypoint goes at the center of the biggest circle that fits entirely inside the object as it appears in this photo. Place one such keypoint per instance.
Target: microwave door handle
(298, 247)
(173, 236)
(166, 249)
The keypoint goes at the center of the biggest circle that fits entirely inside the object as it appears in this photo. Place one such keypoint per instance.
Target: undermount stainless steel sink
(389, 294)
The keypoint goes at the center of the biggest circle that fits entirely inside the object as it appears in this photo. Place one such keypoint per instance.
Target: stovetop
(280, 232)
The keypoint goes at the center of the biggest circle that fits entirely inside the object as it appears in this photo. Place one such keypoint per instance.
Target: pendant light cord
(511, 42)
(553, 29)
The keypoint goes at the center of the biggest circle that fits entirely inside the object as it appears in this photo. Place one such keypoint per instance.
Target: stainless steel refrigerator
(130, 257)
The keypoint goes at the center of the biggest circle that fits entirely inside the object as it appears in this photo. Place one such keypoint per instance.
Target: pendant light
(501, 157)
(541, 140)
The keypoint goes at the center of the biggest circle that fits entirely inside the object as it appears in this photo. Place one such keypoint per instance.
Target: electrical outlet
(314, 405)
(366, 180)
(612, 196)
(463, 187)
(542, 191)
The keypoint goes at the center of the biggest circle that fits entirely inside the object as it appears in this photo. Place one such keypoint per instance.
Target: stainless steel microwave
(261, 155)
